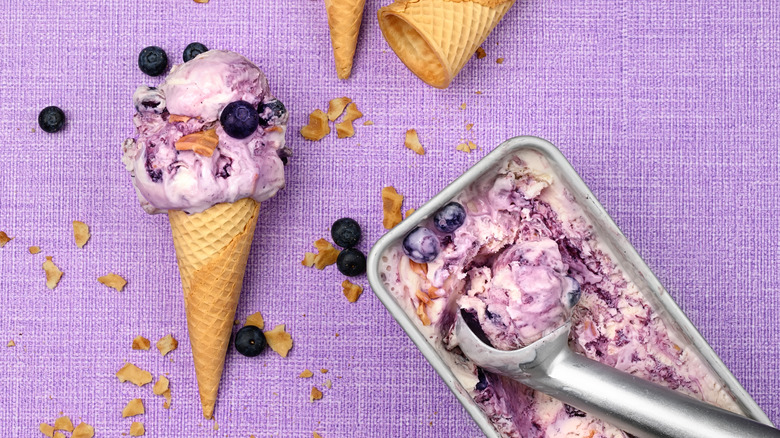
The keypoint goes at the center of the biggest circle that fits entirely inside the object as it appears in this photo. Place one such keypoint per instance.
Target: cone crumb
(166, 344)
(500, 61)
(34, 249)
(466, 147)
(316, 394)
(462, 106)
(368, 123)
(11, 343)
(345, 128)
(317, 128)
(80, 233)
(481, 53)
(53, 273)
(134, 407)
(4, 238)
(409, 212)
(46, 429)
(83, 430)
(137, 429)
(113, 281)
(351, 291)
(328, 384)
(141, 343)
(469, 126)
(391, 207)
(305, 374)
(279, 340)
(63, 423)
(160, 386)
(412, 142)
(167, 395)
(133, 374)
(336, 107)
(256, 319)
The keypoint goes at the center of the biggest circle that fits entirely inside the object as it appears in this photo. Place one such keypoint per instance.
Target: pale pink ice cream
(169, 179)
(524, 253)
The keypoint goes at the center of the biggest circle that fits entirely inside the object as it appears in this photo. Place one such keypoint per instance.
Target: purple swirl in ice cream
(189, 101)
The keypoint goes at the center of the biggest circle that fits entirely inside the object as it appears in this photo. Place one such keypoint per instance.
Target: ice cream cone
(344, 18)
(212, 249)
(435, 38)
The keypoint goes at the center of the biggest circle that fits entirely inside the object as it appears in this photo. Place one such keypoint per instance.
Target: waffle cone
(435, 38)
(212, 249)
(344, 18)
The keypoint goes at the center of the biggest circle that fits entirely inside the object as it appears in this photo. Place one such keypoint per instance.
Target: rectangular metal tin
(609, 233)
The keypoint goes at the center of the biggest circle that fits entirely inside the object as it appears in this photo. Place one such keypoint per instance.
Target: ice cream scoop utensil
(637, 406)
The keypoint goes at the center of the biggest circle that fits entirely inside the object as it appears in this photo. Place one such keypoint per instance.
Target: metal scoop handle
(637, 406)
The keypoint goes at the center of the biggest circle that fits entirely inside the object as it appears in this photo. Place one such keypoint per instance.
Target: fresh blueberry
(250, 341)
(193, 50)
(284, 154)
(51, 119)
(345, 232)
(271, 112)
(153, 61)
(449, 218)
(351, 262)
(239, 119)
(421, 245)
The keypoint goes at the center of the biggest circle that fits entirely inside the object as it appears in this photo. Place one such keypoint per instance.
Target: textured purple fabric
(669, 111)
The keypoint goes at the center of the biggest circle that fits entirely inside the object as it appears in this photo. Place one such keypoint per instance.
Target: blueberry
(421, 245)
(153, 61)
(250, 341)
(271, 112)
(345, 232)
(351, 262)
(193, 50)
(449, 218)
(148, 99)
(51, 119)
(239, 119)
(574, 292)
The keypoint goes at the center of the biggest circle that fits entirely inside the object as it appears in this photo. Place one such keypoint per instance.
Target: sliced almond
(141, 343)
(412, 142)
(4, 239)
(137, 429)
(256, 319)
(59, 434)
(202, 142)
(279, 340)
(368, 123)
(133, 374)
(351, 291)
(420, 269)
(46, 429)
(80, 233)
(316, 435)
(317, 128)
(134, 407)
(336, 107)
(167, 395)
(83, 430)
(53, 273)
(391, 207)
(423, 315)
(160, 386)
(113, 281)
(424, 298)
(175, 118)
(63, 423)
(11, 343)
(166, 344)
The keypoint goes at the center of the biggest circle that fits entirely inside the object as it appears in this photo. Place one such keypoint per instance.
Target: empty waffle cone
(435, 38)
(212, 248)
(344, 18)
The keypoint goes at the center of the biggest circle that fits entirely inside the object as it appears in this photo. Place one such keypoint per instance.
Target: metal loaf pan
(624, 253)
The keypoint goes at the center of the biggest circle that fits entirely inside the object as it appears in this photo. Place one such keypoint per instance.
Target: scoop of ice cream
(524, 295)
(170, 174)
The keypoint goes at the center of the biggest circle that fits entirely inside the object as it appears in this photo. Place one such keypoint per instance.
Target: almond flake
(160, 386)
(11, 343)
(59, 435)
(175, 118)
(469, 126)
(316, 435)
(305, 374)
(351, 291)
(166, 344)
(83, 430)
(167, 395)
(412, 142)
(328, 384)
(316, 394)
(422, 315)
(53, 273)
(201, 1)
(391, 207)
(80, 233)
(481, 53)
(34, 249)
(202, 142)
(463, 106)
(137, 429)
(133, 374)
(409, 212)
(279, 340)
(141, 343)
(368, 123)
(336, 107)
(63, 423)
(256, 319)
(46, 429)
(317, 128)
(134, 407)
(113, 281)
(4, 239)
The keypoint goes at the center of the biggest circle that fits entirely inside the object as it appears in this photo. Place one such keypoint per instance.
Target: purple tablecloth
(669, 111)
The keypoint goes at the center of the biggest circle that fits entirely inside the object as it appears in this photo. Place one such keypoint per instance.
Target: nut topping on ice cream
(183, 157)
